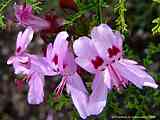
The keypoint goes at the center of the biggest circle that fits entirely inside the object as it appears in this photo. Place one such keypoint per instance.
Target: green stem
(99, 11)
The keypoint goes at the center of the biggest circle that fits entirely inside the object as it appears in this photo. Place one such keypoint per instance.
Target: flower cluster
(101, 54)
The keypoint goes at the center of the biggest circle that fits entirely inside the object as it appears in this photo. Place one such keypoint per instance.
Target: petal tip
(153, 85)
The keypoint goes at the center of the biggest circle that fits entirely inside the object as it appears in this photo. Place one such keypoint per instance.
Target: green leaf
(2, 22)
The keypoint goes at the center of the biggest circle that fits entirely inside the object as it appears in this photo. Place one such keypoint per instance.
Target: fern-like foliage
(156, 21)
(35, 5)
(120, 9)
(3, 5)
(156, 28)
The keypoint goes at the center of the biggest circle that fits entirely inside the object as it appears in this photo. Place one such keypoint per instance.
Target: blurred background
(140, 44)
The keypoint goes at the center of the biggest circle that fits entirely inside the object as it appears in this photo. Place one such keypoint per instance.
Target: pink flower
(104, 54)
(26, 18)
(32, 66)
(62, 59)
(21, 58)
(63, 62)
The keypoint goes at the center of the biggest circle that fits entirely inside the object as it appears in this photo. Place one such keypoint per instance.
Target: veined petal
(50, 52)
(37, 23)
(23, 40)
(11, 60)
(97, 99)
(60, 41)
(69, 65)
(20, 64)
(20, 68)
(36, 93)
(128, 61)
(103, 38)
(135, 75)
(85, 64)
(107, 79)
(42, 65)
(61, 47)
(84, 48)
(78, 93)
(119, 40)
(22, 12)
(136, 70)
(153, 85)
(132, 62)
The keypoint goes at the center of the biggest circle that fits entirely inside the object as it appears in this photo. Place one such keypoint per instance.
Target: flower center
(97, 62)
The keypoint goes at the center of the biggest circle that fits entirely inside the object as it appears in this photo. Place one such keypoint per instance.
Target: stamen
(60, 87)
(119, 78)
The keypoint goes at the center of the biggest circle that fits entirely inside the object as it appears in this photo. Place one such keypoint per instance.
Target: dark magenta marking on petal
(18, 49)
(97, 62)
(113, 51)
(55, 59)
(44, 50)
(64, 66)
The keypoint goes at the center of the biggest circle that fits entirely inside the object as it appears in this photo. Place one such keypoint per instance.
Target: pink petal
(107, 79)
(135, 75)
(69, 63)
(132, 62)
(119, 39)
(78, 93)
(61, 47)
(37, 23)
(97, 99)
(60, 41)
(103, 38)
(11, 60)
(84, 48)
(23, 59)
(50, 52)
(22, 12)
(26, 18)
(20, 64)
(129, 61)
(42, 65)
(20, 68)
(85, 64)
(24, 39)
(36, 93)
